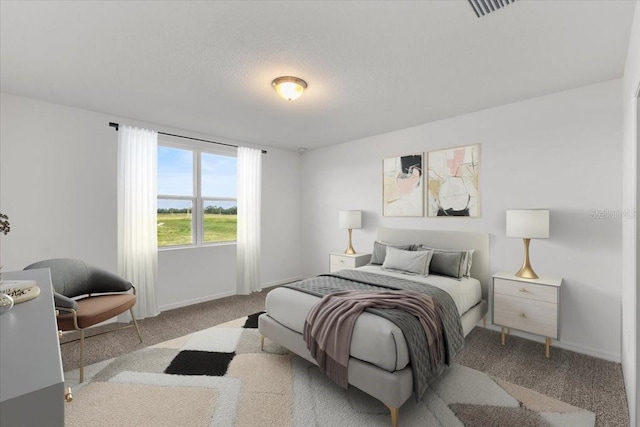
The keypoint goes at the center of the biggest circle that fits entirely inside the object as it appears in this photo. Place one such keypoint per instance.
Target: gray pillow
(380, 251)
(412, 262)
(467, 261)
(445, 262)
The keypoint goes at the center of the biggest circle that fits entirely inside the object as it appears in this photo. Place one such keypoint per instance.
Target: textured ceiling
(372, 67)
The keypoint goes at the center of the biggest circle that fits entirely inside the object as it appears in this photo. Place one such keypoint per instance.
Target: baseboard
(578, 348)
(195, 301)
(185, 303)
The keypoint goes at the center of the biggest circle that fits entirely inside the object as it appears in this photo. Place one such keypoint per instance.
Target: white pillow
(469, 262)
(413, 262)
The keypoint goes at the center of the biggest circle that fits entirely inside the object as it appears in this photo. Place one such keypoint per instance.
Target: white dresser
(529, 305)
(31, 378)
(339, 261)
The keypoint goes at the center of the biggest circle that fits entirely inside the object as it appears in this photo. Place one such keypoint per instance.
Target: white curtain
(249, 199)
(137, 215)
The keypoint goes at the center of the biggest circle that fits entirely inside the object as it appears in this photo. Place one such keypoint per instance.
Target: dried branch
(4, 224)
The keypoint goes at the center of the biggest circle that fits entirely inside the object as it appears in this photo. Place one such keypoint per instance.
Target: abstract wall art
(452, 182)
(403, 186)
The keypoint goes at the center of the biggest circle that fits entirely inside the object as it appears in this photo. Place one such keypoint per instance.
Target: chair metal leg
(81, 355)
(136, 324)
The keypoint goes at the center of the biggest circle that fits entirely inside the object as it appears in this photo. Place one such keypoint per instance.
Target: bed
(379, 360)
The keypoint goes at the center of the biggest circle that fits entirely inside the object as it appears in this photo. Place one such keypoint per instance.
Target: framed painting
(453, 182)
(403, 186)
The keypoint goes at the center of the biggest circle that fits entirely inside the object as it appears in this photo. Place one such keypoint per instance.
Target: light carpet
(220, 377)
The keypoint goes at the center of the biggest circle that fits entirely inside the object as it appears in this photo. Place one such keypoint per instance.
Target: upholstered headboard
(446, 240)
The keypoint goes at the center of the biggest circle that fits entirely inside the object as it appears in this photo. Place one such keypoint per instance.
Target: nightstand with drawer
(529, 305)
(340, 261)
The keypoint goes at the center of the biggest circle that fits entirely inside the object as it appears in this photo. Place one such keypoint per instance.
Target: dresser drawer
(526, 290)
(537, 317)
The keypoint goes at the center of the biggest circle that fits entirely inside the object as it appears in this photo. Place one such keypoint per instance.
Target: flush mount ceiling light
(289, 88)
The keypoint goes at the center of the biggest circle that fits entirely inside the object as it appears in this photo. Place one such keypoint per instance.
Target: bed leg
(394, 415)
(261, 343)
(484, 321)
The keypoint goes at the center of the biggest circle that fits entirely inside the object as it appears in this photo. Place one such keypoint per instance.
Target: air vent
(484, 7)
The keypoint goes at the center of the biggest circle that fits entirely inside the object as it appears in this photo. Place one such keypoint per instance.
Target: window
(197, 202)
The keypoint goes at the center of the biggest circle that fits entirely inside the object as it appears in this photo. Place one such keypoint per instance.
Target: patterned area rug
(219, 377)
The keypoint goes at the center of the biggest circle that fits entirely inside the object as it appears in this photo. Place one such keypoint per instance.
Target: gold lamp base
(526, 271)
(350, 250)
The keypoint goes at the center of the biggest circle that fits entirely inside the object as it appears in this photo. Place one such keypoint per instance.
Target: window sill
(204, 245)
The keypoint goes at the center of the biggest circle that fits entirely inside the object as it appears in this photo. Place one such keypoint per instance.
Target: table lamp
(527, 224)
(350, 220)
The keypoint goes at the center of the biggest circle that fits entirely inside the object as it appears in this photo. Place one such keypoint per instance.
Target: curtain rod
(116, 126)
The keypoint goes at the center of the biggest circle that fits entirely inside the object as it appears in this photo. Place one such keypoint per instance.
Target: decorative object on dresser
(529, 305)
(339, 261)
(20, 290)
(453, 182)
(527, 224)
(350, 220)
(6, 303)
(402, 186)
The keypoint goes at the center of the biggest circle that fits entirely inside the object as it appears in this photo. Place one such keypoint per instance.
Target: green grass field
(175, 229)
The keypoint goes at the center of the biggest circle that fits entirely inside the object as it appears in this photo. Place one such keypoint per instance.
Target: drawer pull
(523, 290)
(523, 315)
(341, 261)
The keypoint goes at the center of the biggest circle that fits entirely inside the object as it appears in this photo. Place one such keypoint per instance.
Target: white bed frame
(394, 388)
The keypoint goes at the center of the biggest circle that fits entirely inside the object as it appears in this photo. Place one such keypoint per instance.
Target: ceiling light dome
(289, 88)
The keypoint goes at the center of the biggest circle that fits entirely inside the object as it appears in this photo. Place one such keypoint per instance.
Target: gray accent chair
(85, 295)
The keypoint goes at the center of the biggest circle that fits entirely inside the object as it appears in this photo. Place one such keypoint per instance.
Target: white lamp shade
(528, 223)
(350, 219)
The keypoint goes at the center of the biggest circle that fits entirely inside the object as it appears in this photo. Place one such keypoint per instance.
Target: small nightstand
(529, 305)
(339, 261)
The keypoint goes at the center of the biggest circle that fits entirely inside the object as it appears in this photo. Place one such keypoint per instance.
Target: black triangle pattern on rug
(252, 320)
(192, 362)
(211, 363)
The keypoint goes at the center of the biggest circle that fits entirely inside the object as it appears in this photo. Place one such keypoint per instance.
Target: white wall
(58, 186)
(57, 183)
(630, 241)
(560, 152)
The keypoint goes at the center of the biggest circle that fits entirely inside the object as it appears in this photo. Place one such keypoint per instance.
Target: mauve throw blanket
(329, 326)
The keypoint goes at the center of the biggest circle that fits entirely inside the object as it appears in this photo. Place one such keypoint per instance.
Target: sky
(175, 176)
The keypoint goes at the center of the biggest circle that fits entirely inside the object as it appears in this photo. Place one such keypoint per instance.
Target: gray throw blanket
(329, 326)
(453, 338)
